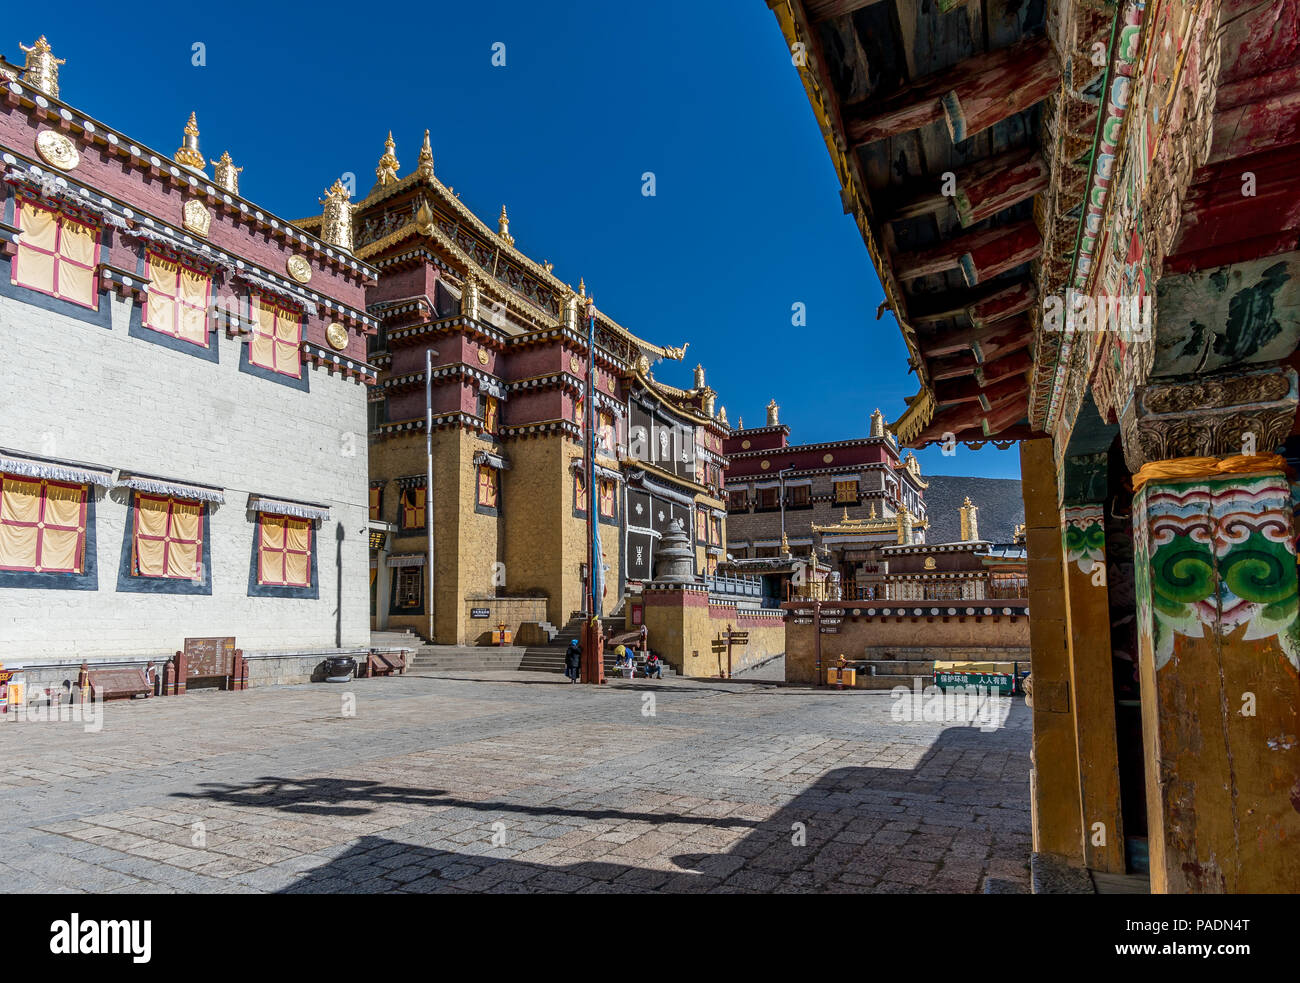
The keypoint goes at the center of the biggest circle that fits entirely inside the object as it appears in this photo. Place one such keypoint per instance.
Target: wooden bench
(385, 663)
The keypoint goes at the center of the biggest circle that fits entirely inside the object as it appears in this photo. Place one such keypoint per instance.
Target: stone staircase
(550, 658)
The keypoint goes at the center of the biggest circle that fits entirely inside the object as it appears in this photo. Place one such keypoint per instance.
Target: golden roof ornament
(336, 219)
(386, 172)
(424, 218)
(187, 154)
(582, 287)
(699, 376)
(41, 71)
(503, 228)
(722, 417)
(873, 511)
(469, 297)
(570, 309)
(226, 174)
(970, 529)
(785, 544)
(740, 423)
(877, 423)
(773, 418)
(424, 166)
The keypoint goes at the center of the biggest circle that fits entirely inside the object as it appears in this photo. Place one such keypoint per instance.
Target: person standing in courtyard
(572, 661)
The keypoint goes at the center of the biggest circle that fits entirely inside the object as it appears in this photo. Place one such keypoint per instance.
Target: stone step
(890, 681)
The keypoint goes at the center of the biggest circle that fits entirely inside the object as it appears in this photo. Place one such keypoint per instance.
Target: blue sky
(745, 222)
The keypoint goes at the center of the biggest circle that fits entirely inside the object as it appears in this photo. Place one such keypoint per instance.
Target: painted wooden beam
(981, 190)
(982, 305)
(969, 391)
(1006, 336)
(966, 417)
(972, 95)
(979, 255)
(823, 9)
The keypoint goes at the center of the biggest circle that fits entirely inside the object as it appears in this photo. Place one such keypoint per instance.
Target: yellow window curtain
(374, 503)
(270, 568)
(34, 264)
(20, 511)
(77, 262)
(287, 331)
(262, 350)
(184, 540)
(413, 508)
(160, 305)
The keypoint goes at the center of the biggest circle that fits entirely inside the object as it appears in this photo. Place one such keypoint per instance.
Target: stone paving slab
(501, 782)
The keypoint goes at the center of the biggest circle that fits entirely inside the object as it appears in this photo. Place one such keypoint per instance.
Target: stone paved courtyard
(514, 782)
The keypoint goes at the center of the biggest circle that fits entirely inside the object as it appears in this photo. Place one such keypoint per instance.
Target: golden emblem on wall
(298, 268)
(57, 150)
(337, 335)
(196, 218)
(765, 465)
(744, 445)
(828, 458)
(929, 563)
(482, 357)
(575, 366)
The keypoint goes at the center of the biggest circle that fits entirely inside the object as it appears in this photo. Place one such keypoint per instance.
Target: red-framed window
(42, 525)
(580, 491)
(715, 531)
(284, 551)
(606, 489)
(605, 425)
(167, 537)
(487, 486)
(699, 525)
(57, 254)
(178, 299)
(376, 500)
(277, 335)
(413, 500)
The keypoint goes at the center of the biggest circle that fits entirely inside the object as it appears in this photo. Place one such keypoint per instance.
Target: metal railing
(734, 586)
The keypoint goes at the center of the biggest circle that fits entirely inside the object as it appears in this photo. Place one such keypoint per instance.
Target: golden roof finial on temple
(424, 166)
(970, 530)
(582, 286)
(41, 70)
(877, 423)
(336, 220)
(187, 154)
(722, 416)
(226, 174)
(699, 376)
(773, 414)
(386, 172)
(503, 227)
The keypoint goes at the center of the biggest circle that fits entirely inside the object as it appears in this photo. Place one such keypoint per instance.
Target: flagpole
(593, 649)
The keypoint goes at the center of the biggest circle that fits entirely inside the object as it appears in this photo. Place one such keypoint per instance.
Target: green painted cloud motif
(1083, 536)
(1221, 556)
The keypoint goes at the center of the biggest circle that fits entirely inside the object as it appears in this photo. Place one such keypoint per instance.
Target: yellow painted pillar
(1092, 690)
(1219, 642)
(1218, 657)
(1054, 779)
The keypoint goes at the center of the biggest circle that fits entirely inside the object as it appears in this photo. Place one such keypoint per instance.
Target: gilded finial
(722, 417)
(336, 220)
(41, 70)
(845, 517)
(386, 172)
(877, 423)
(187, 154)
(873, 510)
(773, 418)
(226, 174)
(425, 164)
(503, 227)
(582, 287)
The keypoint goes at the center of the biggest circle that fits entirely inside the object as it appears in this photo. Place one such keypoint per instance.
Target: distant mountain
(1001, 508)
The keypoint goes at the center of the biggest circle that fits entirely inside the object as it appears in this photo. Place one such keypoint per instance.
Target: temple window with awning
(413, 500)
(57, 254)
(167, 537)
(284, 551)
(177, 303)
(487, 486)
(606, 489)
(846, 491)
(277, 336)
(42, 525)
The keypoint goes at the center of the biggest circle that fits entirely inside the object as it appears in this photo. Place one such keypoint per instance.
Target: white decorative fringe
(279, 291)
(160, 487)
(276, 507)
(55, 472)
